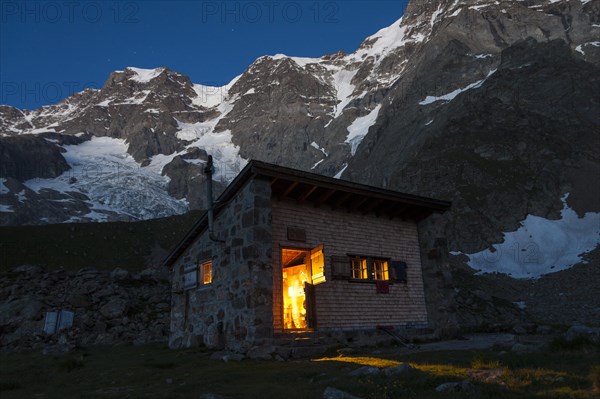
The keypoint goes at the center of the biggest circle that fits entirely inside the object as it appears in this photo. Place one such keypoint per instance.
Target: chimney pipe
(208, 170)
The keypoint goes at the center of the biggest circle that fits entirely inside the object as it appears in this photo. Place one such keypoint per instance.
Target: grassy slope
(129, 245)
(157, 372)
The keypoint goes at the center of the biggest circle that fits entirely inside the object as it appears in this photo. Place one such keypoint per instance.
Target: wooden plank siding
(345, 304)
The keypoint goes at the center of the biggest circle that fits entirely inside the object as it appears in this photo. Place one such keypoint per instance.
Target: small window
(380, 270)
(206, 272)
(196, 276)
(359, 268)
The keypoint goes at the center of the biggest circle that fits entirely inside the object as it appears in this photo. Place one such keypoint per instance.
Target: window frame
(370, 268)
(202, 272)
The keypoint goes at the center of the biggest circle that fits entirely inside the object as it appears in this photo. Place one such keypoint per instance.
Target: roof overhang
(321, 191)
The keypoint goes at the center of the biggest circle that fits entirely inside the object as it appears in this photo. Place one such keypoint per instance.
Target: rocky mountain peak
(342, 115)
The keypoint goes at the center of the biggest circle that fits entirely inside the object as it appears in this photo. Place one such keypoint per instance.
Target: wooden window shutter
(398, 270)
(317, 265)
(190, 277)
(341, 267)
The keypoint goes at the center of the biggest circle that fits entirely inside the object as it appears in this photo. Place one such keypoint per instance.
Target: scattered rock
(334, 393)
(346, 351)
(462, 386)
(264, 352)
(29, 269)
(104, 313)
(227, 356)
(78, 301)
(399, 369)
(119, 274)
(115, 308)
(583, 331)
(365, 370)
(523, 348)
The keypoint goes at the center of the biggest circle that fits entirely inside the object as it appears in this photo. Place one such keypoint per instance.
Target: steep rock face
(25, 157)
(363, 116)
(504, 145)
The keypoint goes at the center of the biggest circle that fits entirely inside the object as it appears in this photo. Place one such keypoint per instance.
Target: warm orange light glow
(359, 268)
(362, 360)
(294, 310)
(206, 272)
(381, 270)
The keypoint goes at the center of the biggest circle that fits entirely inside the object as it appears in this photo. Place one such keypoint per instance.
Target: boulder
(26, 308)
(334, 393)
(78, 301)
(399, 369)
(114, 308)
(365, 370)
(263, 352)
(462, 386)
(227, 356)
(119, 274)
(582, 331)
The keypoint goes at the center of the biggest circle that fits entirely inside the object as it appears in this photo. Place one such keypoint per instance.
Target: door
(311, 310)
(302, 269)
(295, 273)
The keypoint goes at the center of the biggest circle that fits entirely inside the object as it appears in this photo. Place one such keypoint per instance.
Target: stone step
(301, 352)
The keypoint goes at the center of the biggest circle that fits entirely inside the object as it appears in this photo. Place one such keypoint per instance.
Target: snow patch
(541, 246)
(21, 196)
(6, 208)
(360, 127)
(3, 188)
(209, 96)
(316, 146)
(580, 47)
(317, 164)
(301, 61)
(144, 75)
(338, 175)
(342, 82)
(450, 96)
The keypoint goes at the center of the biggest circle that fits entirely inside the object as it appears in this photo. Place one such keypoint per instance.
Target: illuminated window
(380, 270)
(206, 272)
(359, 268)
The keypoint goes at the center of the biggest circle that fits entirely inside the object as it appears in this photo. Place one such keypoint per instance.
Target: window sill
(368, 281)
(200, 287)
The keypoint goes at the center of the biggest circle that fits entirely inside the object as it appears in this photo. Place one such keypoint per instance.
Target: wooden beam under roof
(307, 194)
(397, 210)
(374, 204)
(357, 204)
(384, 209)
(324, 198)
(340, 201)
(288, 190)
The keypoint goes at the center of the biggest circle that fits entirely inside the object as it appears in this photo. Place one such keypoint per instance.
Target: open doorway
(301, 270)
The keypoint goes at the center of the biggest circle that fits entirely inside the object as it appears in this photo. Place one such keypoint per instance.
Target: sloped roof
(293, 184)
